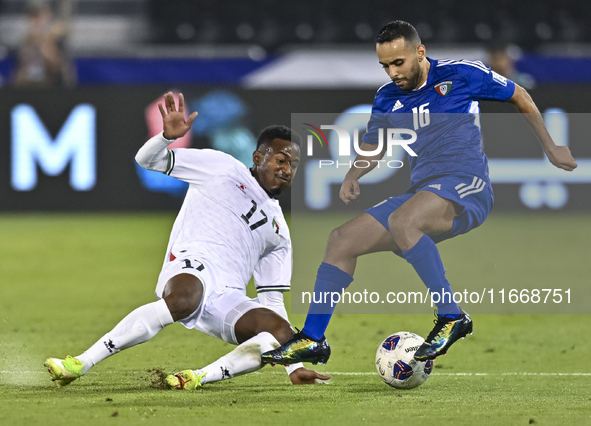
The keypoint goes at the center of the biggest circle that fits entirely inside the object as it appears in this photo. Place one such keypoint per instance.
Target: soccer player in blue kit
(450, 192)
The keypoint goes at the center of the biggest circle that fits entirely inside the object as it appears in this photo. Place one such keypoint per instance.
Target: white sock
(246, 358)
(137, 327)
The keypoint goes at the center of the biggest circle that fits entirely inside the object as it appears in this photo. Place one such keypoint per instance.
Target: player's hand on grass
(349, 190)
(303, 376)
(174, 123)
(561, 157)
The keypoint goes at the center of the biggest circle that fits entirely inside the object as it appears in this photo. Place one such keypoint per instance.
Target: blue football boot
(300, 348)
(444, 334)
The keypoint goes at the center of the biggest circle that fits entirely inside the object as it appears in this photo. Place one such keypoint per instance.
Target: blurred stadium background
(68, 146)
(244, 65)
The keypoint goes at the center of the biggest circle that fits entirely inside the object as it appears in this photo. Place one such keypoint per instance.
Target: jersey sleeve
(153, 155)
(485, 84)
(198, 166)
(273, 272)
(376, 122)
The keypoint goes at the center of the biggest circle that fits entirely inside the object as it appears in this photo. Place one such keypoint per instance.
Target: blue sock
(329, 279)
(424, 257)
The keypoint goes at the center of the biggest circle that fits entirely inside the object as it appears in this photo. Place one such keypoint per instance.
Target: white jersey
(229, 220)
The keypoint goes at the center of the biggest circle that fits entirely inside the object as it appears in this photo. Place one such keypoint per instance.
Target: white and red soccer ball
(396, 364)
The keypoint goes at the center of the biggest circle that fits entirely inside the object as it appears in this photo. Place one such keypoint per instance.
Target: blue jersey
(442, 113)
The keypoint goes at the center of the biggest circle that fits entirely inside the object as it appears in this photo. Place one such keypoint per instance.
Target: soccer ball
(396, 364)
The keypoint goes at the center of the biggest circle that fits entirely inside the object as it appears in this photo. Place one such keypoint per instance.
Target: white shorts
(221, 307)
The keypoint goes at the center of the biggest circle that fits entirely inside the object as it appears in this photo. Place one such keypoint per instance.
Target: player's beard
(274, 192)
(414, 76)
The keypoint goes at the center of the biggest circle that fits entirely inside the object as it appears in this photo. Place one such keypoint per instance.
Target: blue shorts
(473, 195)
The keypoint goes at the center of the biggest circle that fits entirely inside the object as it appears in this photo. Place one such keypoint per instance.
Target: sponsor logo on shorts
(437, 186)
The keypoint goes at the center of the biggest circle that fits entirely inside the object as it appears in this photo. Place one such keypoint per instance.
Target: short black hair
(278, 132)
(398, 29)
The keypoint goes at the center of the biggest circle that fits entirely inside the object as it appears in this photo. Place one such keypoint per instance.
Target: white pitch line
(336, 373)
(458, 374)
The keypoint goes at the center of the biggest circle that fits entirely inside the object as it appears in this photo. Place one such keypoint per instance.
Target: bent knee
(399, 223)
(183, 296)
(401, 226)
(181, 308)
(336, 237)
(339, 242)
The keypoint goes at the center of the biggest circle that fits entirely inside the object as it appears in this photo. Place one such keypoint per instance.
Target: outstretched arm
(560, 156)
(153, 155)
(173, 121)
(303, 376)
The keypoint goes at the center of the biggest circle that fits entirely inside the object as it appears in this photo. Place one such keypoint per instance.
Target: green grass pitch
(67, 279)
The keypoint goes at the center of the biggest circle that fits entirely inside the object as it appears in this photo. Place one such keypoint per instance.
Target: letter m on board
(74, 144)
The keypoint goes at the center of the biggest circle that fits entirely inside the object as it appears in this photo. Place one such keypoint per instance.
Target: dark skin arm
(303, 376)
(560, 156)
(174, 123)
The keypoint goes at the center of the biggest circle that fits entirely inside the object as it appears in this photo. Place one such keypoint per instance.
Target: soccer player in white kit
(230, 227)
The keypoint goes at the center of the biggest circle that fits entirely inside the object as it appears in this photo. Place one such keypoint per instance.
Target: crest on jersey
(275, 226)
(241, 187)
(443, 88)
